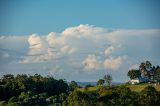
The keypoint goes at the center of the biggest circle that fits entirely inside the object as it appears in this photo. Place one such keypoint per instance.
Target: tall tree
(142, 66)
(148, 65)
(108, 79)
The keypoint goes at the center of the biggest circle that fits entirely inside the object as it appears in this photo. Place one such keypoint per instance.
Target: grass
(140, 87)
(136, 88)
(94, 88)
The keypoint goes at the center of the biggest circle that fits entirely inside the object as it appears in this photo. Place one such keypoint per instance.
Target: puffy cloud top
(82, 29)
(78, 50)
(91, 63)
(109, 51)
(35, 42)
(114, 63)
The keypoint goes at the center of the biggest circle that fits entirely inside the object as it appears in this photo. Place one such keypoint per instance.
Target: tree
(149, 97)
(78, 98)
(134, 73)
(100, 82)
(126, 96)
(7, 77)
(108, 79)
(144, 67)
(24, 90)
(73, 85)
(157, 74)
(148, 65)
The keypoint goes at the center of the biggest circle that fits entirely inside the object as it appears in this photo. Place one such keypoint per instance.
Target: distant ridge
(83, 84)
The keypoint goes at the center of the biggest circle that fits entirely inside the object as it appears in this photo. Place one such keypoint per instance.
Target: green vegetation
(36, 90)
(136, 88)
(100, 82)
(145, 73)
(134, 73)
(24, 90)
(121, 95)
(140, 87)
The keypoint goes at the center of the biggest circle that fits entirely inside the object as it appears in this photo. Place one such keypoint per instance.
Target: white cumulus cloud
(78, 50)
(67, 49)
(114, 63)
(91, 63)
(109, 50)
(39, 51)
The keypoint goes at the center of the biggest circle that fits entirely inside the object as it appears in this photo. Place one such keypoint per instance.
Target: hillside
(140, 87)
(137, 88)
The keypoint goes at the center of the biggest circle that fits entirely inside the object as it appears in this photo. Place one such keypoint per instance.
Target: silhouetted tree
(108, 79)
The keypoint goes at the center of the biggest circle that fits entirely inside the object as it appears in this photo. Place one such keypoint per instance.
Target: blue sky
(23, 17)
(78, 40)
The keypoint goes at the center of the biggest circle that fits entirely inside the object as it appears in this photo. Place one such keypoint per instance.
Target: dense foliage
(100, 82)
(146, 70)
(134, 73)
(24, 90)
(114, 96)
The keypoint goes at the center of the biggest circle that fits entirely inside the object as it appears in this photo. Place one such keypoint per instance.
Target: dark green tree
(73, 85)
(100, 82)
(134, 73)
(157, 74)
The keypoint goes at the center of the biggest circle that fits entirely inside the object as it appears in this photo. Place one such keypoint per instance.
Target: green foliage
(146, 70)
(3, 103)
(24, 90)
(113, 96)
(73, 85)
(12, 99)
(157, 72)
(78, 98)
(134, 73)
(37, 90)
(149, 96)
(100, 82)
(148, 64)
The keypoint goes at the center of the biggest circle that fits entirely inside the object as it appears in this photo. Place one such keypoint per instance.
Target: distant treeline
(36, 90)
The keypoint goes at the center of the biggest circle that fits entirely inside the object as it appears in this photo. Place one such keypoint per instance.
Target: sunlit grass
(136, 88)
(140, 87)
(94, 88)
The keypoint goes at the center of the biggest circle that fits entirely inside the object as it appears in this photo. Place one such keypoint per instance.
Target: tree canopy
(24, 90)
(134, 73)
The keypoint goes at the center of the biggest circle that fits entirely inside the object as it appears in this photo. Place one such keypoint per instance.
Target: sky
(78, 40)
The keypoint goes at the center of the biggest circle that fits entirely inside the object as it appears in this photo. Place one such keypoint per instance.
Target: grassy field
(140, 87)
(136, 88)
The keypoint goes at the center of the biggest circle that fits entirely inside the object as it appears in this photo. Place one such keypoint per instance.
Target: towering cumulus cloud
(79, 50)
